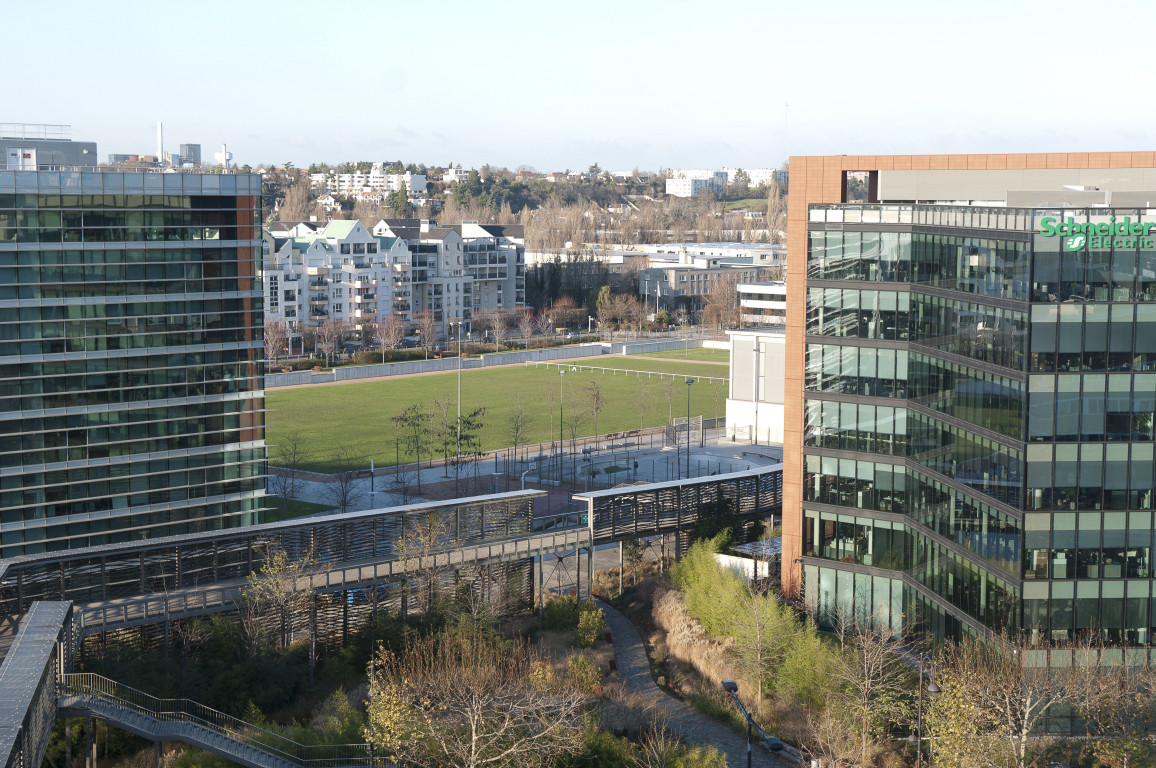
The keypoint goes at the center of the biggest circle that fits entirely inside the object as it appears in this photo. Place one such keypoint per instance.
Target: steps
(83, 695)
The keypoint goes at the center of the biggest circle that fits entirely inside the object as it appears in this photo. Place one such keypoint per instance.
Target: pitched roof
(386, 242)
(512, 231)
(339, 228)
(437, 233)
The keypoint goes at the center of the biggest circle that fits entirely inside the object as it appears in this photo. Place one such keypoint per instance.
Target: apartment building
(130, 348)
(461, 271)
(970, 390)
(373, 181)
(341, 271)
(685, 279)
(763, 303)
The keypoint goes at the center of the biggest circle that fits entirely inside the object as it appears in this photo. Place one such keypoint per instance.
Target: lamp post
(917, 737)
(775, 745)
(688, 383)
(561, 444)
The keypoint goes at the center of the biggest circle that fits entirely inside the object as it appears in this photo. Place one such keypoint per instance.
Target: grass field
(357, 417)
(294, 508)
(701, 354)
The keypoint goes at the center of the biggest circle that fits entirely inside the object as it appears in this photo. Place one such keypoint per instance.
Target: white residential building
(455, 175)
(763, 303)
(461, 271)
(688, 183)
(343, 272)
(375, 180)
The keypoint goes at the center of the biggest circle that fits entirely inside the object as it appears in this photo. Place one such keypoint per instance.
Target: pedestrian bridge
(56, 599)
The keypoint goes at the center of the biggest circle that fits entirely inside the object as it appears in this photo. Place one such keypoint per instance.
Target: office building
(130, 351)
(37, 147)
(763, 303)
(754, 407)
(970, 386)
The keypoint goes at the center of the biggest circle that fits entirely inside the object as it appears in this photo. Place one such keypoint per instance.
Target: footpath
(683, 719)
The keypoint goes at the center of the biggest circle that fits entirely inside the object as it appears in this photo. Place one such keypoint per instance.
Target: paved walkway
(692, 725)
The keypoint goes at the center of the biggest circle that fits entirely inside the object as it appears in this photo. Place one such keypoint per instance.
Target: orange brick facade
(818, 180)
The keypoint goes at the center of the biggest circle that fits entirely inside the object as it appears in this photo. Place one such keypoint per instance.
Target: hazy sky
(559, 84)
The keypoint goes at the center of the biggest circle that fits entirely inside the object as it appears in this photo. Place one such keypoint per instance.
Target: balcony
(401, 294)
(320, 300)
(318, 285)
(401, 306)
(291, 278)
(365, 312)
(319, 312)
(290, 313)
(363, 284)
(316, 271)
(365, 298)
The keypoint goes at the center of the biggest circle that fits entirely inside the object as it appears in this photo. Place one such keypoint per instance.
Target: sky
(563, 84)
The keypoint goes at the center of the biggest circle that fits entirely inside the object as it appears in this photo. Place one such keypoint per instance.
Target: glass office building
(978, 426)
(131, 401)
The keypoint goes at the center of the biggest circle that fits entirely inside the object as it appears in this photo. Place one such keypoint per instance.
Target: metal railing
(87, 684)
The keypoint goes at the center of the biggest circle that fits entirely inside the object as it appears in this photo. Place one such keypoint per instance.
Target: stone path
(692, 725)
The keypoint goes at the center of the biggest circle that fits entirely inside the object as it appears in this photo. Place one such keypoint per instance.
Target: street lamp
(561, 444)
(688, 383)
(917, 737)
(773, 744)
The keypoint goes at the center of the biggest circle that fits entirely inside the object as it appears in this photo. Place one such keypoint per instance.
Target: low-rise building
(763, 303)
(684, 279)
(375, 180)
(755, 403)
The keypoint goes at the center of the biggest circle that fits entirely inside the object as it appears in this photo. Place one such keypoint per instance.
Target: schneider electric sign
(1106, 234)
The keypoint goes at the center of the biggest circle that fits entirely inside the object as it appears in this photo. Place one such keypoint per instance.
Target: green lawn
(356, 417)
(748, 203)
(702, 354)
(294, 508)
(638, 363)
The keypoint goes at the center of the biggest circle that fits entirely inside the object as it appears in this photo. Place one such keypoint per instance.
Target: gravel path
(695, 727)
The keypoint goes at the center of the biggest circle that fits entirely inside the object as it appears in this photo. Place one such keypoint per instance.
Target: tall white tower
(160, 141)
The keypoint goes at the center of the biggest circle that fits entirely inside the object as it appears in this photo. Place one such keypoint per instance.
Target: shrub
(560, 614)
(591, 625)
(582, 673)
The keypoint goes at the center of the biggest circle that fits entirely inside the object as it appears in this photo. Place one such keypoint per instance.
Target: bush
(582, 673)
(560, 614)
(591, 625)
(377, 356)
(301, 365)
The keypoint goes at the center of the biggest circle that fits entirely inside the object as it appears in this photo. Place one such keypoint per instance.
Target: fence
(638, 374)
(643, 347)
(354, 372)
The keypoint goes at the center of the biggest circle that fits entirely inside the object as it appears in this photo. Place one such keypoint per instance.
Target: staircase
(85, 694)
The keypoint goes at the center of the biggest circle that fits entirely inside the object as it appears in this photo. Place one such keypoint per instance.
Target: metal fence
(170, 566)
(86, 686)
(354, 372)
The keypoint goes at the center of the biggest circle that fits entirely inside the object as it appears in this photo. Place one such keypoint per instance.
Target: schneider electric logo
(1105, 234)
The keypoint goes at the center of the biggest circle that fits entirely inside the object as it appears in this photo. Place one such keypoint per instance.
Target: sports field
(701, 354)
(357, 417)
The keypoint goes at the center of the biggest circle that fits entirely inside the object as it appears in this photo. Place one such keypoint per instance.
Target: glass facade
(131, 401)
(979, 402)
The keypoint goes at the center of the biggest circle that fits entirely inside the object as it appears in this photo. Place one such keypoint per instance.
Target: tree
(597, 405)
(344, 489)
(722, 307)
(526, 325)
(291, 455)
(776, 214)
(742, 182)
(398, 203)
(876, 680)
(469, 700)
(517, 425)
(762, 630)
(388, 332)
(996, 694)
(411, 426)
(279, 590)
(427, 330)
(300, 203)
(594, 170)
(329, 336)
(276, 337)
(1116, 703)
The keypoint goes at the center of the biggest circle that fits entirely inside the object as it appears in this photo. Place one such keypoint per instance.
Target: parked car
(408, 343)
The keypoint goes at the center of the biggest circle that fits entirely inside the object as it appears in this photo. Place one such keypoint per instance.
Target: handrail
(187, 711)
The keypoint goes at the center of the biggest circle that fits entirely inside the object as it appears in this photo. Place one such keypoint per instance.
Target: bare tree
(500, 328)
(876, 679)
(329, 335)
(281, 589)
(276, 337)
(291, 455)
(722, 306)
(388, 332)
(776, 214)
(994, 701)
(1116, 703)
(517, 425)
(426, 329)
(597, 405)
(300, 203)
(344, 489)
(526, 325)
(412, 426)
(469, 701)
